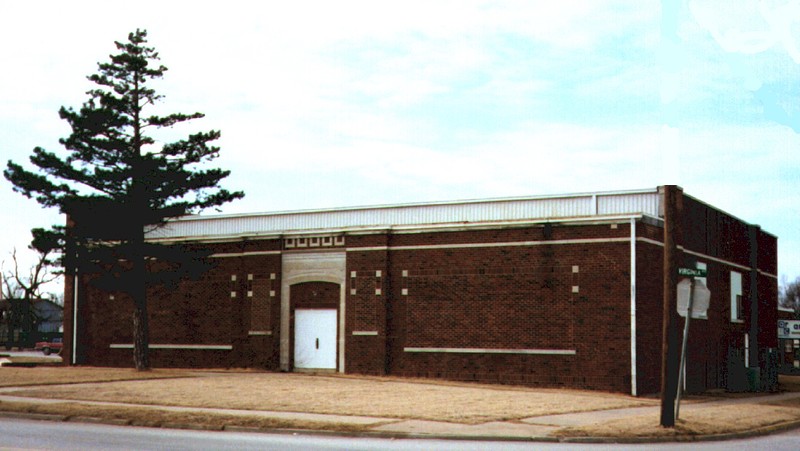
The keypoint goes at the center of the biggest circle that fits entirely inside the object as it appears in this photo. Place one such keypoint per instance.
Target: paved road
(29, 434)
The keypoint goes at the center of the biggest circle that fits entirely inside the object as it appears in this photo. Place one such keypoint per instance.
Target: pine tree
(115, 185)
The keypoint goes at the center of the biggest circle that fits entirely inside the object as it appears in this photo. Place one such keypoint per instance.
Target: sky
(348, 103)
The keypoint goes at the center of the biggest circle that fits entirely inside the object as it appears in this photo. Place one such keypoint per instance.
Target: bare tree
(28, 284)
(23, 287)
(21, 283)
(790, 295)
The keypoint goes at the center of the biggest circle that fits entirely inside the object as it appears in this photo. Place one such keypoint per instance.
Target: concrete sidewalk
(539, 428)
(544, 427)
(23, 358)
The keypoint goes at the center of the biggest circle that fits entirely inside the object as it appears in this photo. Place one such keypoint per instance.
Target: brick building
(559, 291)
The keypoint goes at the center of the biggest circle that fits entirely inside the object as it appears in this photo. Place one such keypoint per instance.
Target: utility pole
(670, 356)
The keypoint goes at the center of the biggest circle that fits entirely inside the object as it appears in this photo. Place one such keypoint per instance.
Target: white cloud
(750, 26)
(334, 104)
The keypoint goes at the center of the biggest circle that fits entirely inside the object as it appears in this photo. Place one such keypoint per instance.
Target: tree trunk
(141, 328)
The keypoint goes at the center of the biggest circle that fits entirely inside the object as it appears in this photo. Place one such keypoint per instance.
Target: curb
(34, 416)
(98, 420)
(192, 427)
(391, 435)
(766, 430)
(758, 432)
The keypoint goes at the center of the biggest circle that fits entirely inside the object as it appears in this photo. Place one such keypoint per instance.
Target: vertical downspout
(755, 321)
(633, 308)
(75, 317)
(341, 321)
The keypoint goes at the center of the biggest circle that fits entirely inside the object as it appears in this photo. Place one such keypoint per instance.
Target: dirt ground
(711, 420)
(46, 375)
(383, 397)
(706, 421)
(363, 396)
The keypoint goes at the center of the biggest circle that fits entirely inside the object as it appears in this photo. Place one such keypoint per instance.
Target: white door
(315, 339)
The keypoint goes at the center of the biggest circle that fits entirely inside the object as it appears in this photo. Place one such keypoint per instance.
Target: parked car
(48, 347)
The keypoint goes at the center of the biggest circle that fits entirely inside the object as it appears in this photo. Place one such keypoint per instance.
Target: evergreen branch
(172, 119)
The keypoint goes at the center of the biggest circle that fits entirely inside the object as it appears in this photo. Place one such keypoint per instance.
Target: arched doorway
(303, 274)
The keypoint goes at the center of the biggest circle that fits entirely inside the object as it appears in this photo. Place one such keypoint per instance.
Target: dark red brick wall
(366, 306)
(196, 312)
(649, 312)
(515, 297)
(715, 345)
(768, 311)
(501, 289)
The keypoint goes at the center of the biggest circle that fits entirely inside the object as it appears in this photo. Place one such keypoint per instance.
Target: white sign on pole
(700, 301)
(789, 329)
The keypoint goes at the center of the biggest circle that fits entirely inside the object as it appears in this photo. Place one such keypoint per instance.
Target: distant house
(49, 316)
(790, 347)
(23, 323)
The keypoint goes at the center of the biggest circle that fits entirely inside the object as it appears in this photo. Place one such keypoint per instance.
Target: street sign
(700, 298)
(788, 329)
(693, 296)
(692, 272)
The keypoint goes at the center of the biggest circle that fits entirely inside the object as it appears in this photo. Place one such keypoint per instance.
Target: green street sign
(692, 272)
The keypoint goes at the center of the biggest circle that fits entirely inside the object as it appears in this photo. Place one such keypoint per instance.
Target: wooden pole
(670, 355)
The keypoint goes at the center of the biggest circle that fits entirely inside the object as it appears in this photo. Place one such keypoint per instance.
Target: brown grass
(355, 395)
(703, 421)
(154, 417)
(363, 396)
(47, 375)
(789, 383)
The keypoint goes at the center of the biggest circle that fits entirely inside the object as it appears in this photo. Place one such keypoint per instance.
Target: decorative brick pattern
(260, 305)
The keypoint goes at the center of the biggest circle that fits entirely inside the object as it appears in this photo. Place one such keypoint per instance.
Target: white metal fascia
(406, 229)
(544, 208)
(496, 200)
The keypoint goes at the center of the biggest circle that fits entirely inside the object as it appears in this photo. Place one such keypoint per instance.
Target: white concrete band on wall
(175, 346)
(493, 351)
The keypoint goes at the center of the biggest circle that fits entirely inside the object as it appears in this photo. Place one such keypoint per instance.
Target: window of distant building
(737, 311)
